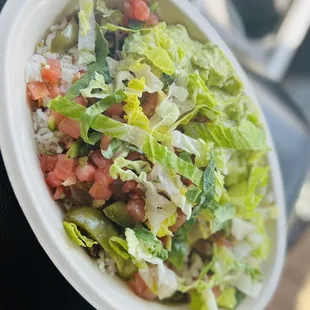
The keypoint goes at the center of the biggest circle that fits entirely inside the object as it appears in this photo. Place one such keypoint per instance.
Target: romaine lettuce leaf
(148, 240)
(167, 181)
(166, 114)
(227, 299)
(245, 136)
(102, 51)
(153, 45)
(163, 156)
(133, 110)
(87, 34)
(197, 147)
(97, 88)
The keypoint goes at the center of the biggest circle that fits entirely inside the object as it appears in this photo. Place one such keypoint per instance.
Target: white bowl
(22, 25)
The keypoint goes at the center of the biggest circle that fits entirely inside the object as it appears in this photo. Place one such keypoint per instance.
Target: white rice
(47, 141)
(106, 264)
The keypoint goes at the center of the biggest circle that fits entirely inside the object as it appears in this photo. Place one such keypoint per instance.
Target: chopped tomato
(70, 181)
(59, 118)
(59, 193)
(103, 176)
(153, 20)
(100, 192)
(52, 71)
(86, 173)
(52, 180)
(48, 162)
(64, 167)
(141, 10)
(70, 127)
(99, 160)
(81, 100)
(128, 9)
(105, 142)
(139, 288)
(53, 88)
(116, 109)
(37, 90)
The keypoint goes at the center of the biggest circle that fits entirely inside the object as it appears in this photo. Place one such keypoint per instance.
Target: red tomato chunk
(52, 71)
(70, 127)
(86, 173)
(64, 167)
(52, 180)
(37, 90)
(48, 162)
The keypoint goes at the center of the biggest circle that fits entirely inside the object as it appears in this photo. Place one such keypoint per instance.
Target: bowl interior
(26, 23)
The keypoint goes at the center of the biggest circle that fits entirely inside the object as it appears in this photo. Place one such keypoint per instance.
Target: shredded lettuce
(153, 45)
(245, 136)
(102, 51)
(77, 237)
(197, 147)
(93, 111)
(165, 115)
(133, 109)
(87, 35)
(169, 182)
(97, 88)
(227, 299)
(163, 156)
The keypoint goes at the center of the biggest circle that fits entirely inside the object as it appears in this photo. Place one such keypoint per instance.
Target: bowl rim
(27, 203)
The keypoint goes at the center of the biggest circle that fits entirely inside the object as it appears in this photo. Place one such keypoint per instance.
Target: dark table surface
(29, 280)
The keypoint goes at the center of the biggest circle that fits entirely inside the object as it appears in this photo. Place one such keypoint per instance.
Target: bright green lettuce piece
(217, 69)
(163, 156)
(153, 45)
(247, 195)
(87, 34)
(77, 237)
(221, 214)
(108, 13)
(201, 198)
(154, 245)
(100, 66)
(97, 88)
(164, 227)
(197, 147)
(166, 114)
(245, 136)
(227, 299)
(133, 109)
(167, 181)
(113, 147)
(93, 111)
(202, 300)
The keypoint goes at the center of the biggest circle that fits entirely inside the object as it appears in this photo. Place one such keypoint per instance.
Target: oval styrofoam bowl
(22, 25)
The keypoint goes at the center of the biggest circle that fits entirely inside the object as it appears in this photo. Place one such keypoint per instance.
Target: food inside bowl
(158, 157)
